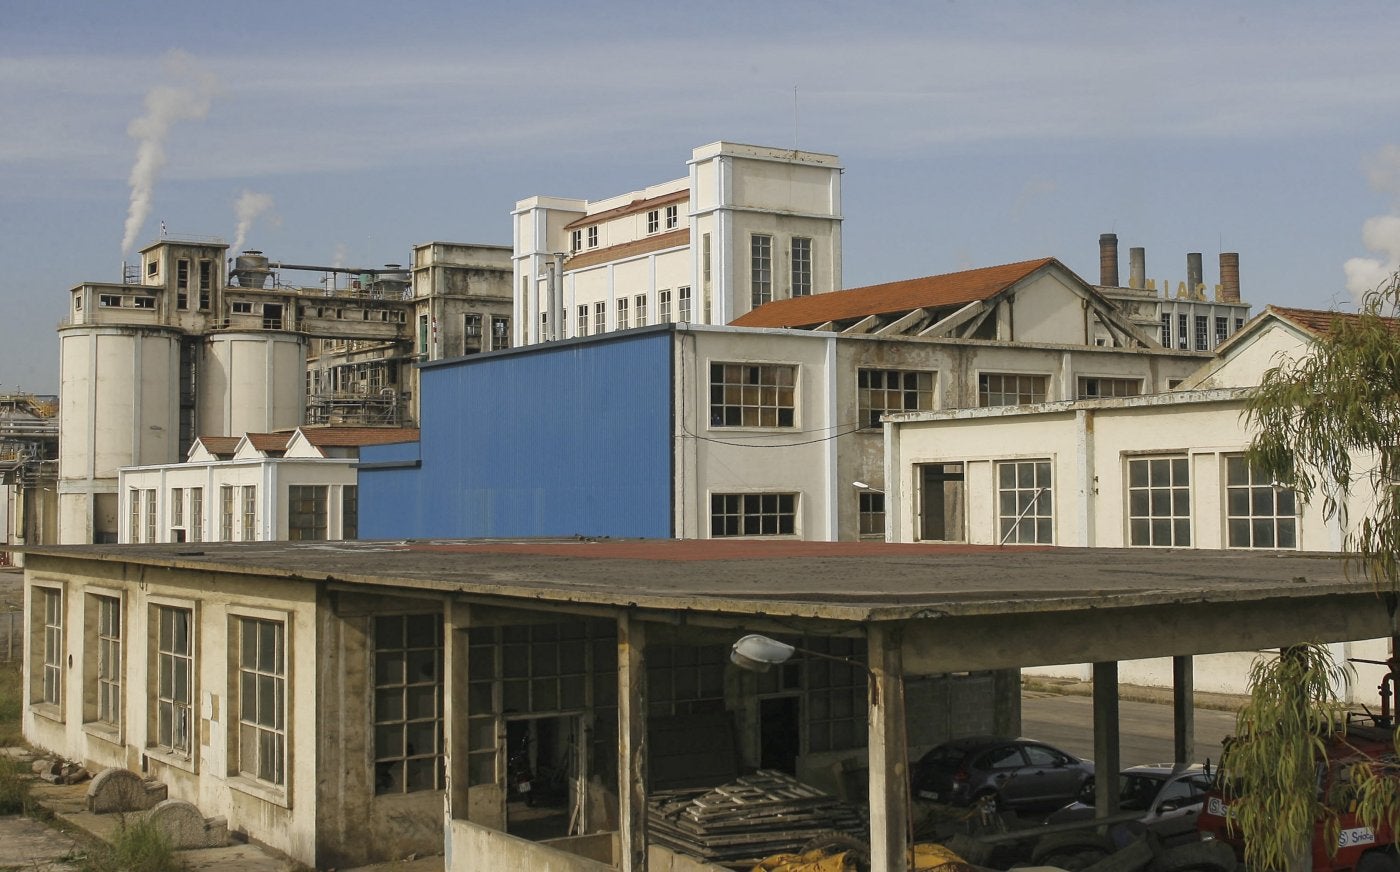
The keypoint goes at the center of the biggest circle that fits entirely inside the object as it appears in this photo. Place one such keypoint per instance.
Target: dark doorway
(780, 724)
(941, 509)
(543, 796)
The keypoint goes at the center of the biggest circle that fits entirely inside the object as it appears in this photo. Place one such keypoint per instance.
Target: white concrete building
(291, 485)
(1164, 471)
(747, 225)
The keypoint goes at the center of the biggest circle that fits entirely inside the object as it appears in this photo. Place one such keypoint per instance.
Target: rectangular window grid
(761, 268)
(53, 647)
(306, 511)
(350, 512)
(1025, 502)
(576, 240)
(683, 301)
(250, 512)
(653, 221)
(196, 514)
(801, 266)
(672, 217)
(262, 700)
(891, 390)
(500, 333)
(1159, 502)
(622, 314)
(109, 660)
(752, 395)
(175, 678)
(1181, 338)
(226, 513)
(1167, 331)
(408, 703)
(641, 307)
(685, 679)
(1259, 513)
(872, 513)
(1202, 333)
(1222, 329)
(1093, 388)
(753, 514)
(600, 317)
(133, 499)
(581, 322)
(1000, 389)
(663, 307)
(177, 507)
(593, 236)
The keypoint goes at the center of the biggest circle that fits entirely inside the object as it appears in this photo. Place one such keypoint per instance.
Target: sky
(971, 133)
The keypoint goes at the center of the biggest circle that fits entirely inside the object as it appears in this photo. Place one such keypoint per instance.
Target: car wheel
(1379, 861)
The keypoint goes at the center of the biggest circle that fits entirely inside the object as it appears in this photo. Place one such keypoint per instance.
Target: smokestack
(1229, 277)
(1193, 272)
(1137, 268)
(1108, 260)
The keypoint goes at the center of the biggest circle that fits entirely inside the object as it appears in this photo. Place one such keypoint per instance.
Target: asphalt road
(1145, 729)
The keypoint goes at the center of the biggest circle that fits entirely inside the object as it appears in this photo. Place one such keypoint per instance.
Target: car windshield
(1135, 792)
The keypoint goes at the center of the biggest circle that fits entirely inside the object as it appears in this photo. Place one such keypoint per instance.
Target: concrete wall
(475, 847)
(252, 383)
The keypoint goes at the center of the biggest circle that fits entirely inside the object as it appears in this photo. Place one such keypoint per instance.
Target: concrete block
(115, 789)
(186, 828)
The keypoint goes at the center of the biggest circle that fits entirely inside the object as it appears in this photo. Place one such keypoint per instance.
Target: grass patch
(137, 847)
(14, 788)
(11, 703)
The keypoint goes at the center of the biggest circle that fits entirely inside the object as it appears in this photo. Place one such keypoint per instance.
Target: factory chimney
(1108, 260)
(1137, 268)
(1229, 277)
(1193, 273)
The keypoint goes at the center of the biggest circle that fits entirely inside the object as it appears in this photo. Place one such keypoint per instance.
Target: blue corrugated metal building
(569, 438)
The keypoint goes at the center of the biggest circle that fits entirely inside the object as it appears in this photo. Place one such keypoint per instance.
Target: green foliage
(1327, 422)
(137, 847)
(1270, 767)
(11, 703)
(14, 788)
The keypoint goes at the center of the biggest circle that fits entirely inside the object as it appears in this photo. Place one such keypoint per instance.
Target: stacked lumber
(739, 823)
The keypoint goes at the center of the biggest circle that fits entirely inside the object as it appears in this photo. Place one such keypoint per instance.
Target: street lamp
(756, 653)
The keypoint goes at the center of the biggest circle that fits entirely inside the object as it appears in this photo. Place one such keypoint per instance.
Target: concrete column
(456, 621)
(889, 756)
(631, 744)
(1183, 708)
(1106, 738)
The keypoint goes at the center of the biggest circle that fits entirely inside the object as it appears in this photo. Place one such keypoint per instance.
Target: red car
(1358, 847)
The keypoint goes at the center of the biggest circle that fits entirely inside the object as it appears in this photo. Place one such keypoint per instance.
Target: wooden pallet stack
(755, 816)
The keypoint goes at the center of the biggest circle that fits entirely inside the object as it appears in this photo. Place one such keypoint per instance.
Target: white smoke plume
(165, 104)
(1381, 233)
(248, 207)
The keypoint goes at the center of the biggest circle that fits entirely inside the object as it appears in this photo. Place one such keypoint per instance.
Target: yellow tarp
(812, 861)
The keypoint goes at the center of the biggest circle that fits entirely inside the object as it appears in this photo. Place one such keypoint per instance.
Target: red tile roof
(217, 445)
(632, 207)
(326, 437)
(1319, 322)
(270, 441)
(669, 239)
(932, 292)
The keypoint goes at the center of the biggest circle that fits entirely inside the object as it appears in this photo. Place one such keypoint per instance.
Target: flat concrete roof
(842, 581)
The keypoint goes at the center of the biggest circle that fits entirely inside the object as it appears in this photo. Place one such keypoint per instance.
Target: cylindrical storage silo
(251, 382)
(118, 406)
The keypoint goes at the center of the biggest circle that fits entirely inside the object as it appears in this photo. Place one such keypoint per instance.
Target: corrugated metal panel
(550, 441)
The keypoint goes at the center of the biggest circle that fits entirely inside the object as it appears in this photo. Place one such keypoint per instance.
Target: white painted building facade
(747, 225)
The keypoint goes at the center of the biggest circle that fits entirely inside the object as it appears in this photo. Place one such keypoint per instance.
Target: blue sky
(972, 133)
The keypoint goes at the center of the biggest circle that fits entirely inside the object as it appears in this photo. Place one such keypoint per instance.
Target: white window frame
(593, 236)
(1257, 525)
(49, 640)
(760, 268)
(581, 324)
(772, 513)
(600, 317)
(250, 512)
(1151, 498)
(253, 720)
(800, 250)
(576, 240)
(653, 221)
(1025, 509)
(622, 319)
(672, 217)
(640, 309)
(683, 307)
(663, 307)
(105, 655)
(180, 751)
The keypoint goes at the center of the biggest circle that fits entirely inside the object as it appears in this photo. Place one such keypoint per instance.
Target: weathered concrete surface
(121, 790)
(32, 846)
(185, 827)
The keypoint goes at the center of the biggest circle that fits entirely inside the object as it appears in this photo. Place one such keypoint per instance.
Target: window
(306, 512)
(262, 700)
(1159, 502)
(51, 691)
(242, 308)
(872, 513)
(250, 512)
(653, 221)
(600, 317)
(593, 236)
(752, 395)
(196, 514)
(801, 266)
(622, 313)
(226, 513)
(150, 516)
(999, 389)
(408, 703)
(422, 335)
(109, 300)
(1093, 388)
(1239, 322)
(760, 268)
(1167, 331)
(576, 240)
(683, 296)
(142, 302)
(152, 269)
(133, 505)
(1222, 329)
(182, 284)
(581, 325)
(206, 282)
(500, 333)
(753, 514)
(109, 660)
(705, 260)
(891, 390)
(1025, 502)
(1259, 513)
(1181, 332)
(663, 307)
(350, 512)
(1202, 333)
(641, 307)
(175, 678)
(672, 217)
(834, 694)
(177, 507)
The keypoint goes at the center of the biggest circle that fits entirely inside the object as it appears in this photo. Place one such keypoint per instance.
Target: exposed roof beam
(868, 324)
(904, 322)
(959, 317)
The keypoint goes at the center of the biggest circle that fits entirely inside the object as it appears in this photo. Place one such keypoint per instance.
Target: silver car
(1168, 795)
